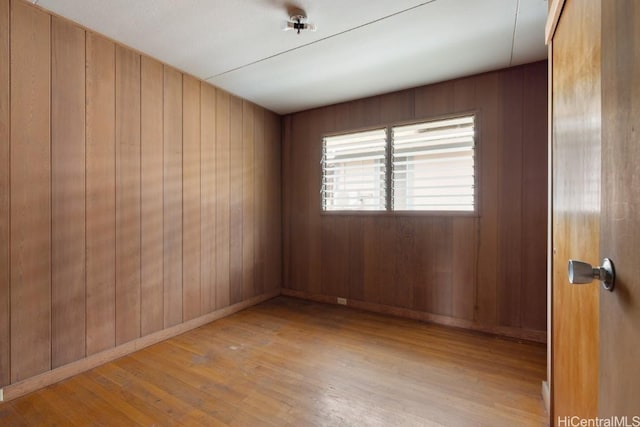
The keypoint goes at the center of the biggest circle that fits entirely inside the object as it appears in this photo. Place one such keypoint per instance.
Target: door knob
(582, 272)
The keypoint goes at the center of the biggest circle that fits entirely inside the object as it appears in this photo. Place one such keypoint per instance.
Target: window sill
(391, 214)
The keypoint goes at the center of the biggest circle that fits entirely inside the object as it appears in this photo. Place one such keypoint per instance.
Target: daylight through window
(354, 168)
(428, 166)
(433, 166)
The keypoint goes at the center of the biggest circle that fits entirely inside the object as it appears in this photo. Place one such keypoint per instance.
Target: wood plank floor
(293, 362)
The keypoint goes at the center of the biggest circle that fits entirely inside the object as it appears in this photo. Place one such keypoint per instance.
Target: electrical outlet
(342, 301)
(1, 395)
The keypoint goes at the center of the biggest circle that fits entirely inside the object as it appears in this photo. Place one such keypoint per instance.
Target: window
(428, 166)
(354, 168)
(433, 166)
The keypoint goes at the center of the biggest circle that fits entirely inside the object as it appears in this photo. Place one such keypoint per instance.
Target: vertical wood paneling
(151, 170)
(370, 109)
(464, 95)
(260, 186)
(208, 194)
(404, 278)
(434, 100)
(67, 192)
(397, 106)
(357, 112)
(441, 246)
(444, 265)
(248, 194)
(191, 198)
(100, 194)
(127, 195)
(379, 263)
(465, 231)
(510, 202)
(465, 250)
(271, 229)
(355, 228)
(235, 200)
(334, 277)
(222, 199)
(295, 229)
(288, 154)
(340, 118)
(5, 316)
(534, 213)
(30, 191)
(421, 290)
(489, 116)
(310, 187)
(172, 197)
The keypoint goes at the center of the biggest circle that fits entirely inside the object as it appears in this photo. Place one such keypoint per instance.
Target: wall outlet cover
(342, 301)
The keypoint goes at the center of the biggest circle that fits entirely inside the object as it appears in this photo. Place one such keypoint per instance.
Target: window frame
(387, 175)
(388, 211)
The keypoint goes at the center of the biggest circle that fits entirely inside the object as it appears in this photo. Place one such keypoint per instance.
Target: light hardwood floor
(293, 362)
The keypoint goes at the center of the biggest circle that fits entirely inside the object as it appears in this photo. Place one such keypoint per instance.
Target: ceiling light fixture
(298, 22)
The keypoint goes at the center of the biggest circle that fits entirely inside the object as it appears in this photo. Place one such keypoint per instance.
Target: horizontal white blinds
(433, 165)
(354, 169)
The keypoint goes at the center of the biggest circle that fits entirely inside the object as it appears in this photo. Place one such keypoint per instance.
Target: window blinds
(354, 168)
(433, 165)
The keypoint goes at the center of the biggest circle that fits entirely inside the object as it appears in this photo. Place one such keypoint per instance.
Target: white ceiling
(362, 47)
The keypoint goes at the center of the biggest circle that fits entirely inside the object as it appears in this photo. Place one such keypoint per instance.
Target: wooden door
(576, 141)
(619, 375)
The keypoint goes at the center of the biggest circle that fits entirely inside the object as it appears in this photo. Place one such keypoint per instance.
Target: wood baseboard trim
(37, 382)
(517, 333)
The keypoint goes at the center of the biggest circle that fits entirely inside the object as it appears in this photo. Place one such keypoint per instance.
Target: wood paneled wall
(133, 197)
(486, 272)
